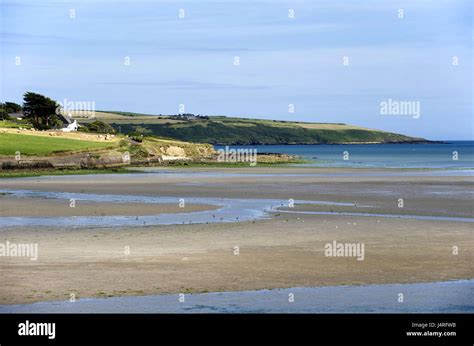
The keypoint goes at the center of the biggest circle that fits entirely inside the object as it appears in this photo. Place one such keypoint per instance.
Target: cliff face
(169, 150)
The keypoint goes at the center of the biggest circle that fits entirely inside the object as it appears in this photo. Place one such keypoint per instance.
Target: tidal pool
(230, 210)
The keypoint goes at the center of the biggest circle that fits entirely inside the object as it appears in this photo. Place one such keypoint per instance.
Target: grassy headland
(242, 131)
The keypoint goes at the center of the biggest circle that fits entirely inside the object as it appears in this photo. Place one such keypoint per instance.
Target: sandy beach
(282, 250)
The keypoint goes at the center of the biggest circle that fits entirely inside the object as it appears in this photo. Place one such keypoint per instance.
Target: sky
(318, 61)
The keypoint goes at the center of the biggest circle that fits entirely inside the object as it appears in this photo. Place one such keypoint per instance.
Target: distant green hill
(240, 131)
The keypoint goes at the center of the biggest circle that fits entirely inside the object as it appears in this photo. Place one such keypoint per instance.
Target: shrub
(98, 126)
(136, 136)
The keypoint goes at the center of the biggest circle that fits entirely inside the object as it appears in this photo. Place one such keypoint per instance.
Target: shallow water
(439, 297)
(387, 173)
(390, 216)
(230, 210)
(147, 172)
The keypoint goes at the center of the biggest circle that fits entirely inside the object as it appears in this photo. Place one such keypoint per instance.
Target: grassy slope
(41, 144)
(31, 145)
(124, 117)
(14, 125)
(228, 130)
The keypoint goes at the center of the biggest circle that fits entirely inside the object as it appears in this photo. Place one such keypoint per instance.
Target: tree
(12, 107)
(40, 111)
(98, 126)
(8, 108)
(3, 112)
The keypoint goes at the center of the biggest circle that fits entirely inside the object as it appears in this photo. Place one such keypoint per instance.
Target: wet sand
(284, 251)
(11, 206)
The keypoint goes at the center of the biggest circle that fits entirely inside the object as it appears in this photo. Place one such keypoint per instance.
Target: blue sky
(283, 60)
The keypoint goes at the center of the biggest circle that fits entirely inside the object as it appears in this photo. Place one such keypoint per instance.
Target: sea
(445, 155)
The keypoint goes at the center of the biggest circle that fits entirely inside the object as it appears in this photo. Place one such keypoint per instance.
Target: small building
(68, 123)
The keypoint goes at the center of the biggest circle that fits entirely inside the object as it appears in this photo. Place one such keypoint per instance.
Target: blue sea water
(430, 297)
(432, 155)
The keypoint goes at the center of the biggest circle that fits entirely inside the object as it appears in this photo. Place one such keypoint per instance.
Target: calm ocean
(379, 155)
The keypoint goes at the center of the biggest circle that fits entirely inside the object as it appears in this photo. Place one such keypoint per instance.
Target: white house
(71, 127)
(69, 124)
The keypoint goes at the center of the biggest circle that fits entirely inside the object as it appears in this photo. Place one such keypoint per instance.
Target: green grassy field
(126, 118)
(31, 145)
(12, 124)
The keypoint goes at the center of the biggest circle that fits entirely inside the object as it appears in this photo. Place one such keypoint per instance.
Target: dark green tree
(3, 112)
(100, 127)
(40, 111)
(8, 108)
(12, 107)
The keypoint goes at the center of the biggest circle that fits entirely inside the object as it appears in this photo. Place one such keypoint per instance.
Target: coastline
(225, 167)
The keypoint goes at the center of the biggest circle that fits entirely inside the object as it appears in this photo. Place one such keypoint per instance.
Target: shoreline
(445, 296)
(24, 173)
(281, 251)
